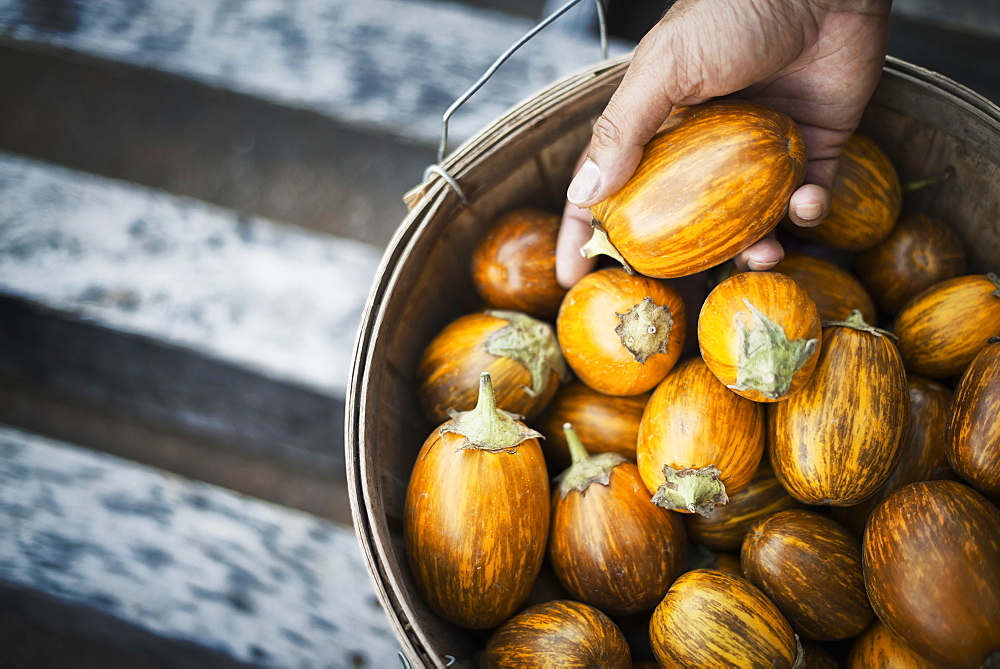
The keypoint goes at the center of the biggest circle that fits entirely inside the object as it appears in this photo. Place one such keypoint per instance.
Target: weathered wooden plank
(390, 64)
(181, 561)
(279, 301)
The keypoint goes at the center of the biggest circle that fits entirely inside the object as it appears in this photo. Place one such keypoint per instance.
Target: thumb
(646, 96)
(629, 121)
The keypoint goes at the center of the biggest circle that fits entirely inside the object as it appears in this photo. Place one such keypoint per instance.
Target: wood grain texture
(605, 423)
(476, 524)
(557, 634)
(712, 619)
(837, 440)
(865, 200)
(942, 328)
(931, 555)
(612, 547)
(878, 647)
(451, 364)
(715, 179)
(919, 252)
(973, 428)
(157, 562)
(835, 290)
(922, 457)
(810, 567)
(514, 264)
(727, 327)
(693, 421)
(586, 328)
(724, 528)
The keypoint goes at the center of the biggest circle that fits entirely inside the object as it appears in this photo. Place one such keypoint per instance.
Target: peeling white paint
(186, 560)
(274, 298)
(392, 65)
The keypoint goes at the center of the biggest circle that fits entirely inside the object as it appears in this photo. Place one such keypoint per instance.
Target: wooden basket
(925, 122)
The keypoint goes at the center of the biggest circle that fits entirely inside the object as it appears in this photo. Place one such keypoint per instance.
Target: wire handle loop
(443, 146)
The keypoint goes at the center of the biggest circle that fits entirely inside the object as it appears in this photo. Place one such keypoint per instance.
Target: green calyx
(996, 282)
(767, 360)
(487, 428)
(532, 343)
(856, 321)
(645, 329)
(600, 244)
(586, 469)
(694, 490)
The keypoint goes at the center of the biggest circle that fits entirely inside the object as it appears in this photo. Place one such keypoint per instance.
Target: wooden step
(179, 570)
(190, 317)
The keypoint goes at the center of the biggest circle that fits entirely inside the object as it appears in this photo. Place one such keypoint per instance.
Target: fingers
(574, 232)
(631, 118)
(810, 203)
(761, 256)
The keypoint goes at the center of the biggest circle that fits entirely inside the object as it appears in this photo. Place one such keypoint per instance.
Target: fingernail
(809, 212)
(585, 183)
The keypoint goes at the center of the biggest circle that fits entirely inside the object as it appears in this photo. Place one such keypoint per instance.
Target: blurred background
(194, 198)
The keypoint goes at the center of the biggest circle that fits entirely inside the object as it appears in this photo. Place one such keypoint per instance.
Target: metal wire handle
(442, 147)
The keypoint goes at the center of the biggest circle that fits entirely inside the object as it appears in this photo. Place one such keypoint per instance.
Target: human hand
(816, 60)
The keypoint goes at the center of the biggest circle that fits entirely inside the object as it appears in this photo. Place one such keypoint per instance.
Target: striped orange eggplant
(699, 443)
(520, 353)
(608, 544)
(810, 567)
(621, 333)
(559, 633)
(605, 423)
(759, 333)
(973, 431)
(514, 263)
(921, 251)
(714, 180)
(931, 555)
(837, 440)
(922, 457)
(725, 526)
(941, 329)
(836, 291)
(710, 618)
(864, 203)
(476, 515)
(878, 647)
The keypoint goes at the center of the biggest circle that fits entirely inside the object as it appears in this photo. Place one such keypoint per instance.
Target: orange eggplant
(606, 423)
(973, 432)
(725, 526)
(921, 251)
(865, 201)
(714, 180)
(810, 567)
(514, 264)
(621, 333)
(878, 647)
(941, 329)
(712, 619)
(922, 457)
(476, 515)
(699, 443)
(608, 544)
(836, 291)
(931, 555)
(815, 657)
(560, 633)
(520, 353)
(759, 333)
(837, 440)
